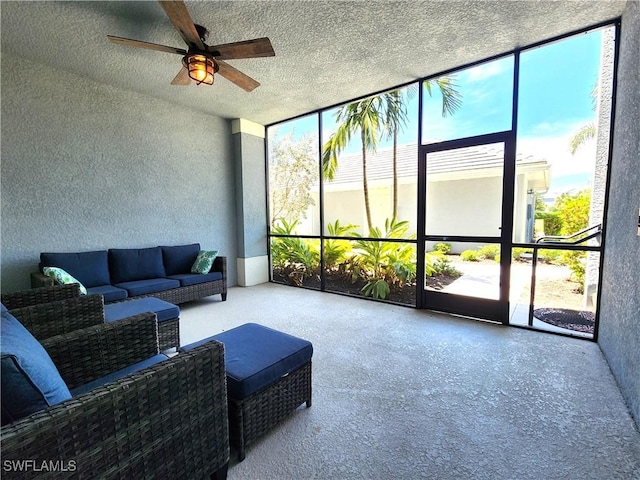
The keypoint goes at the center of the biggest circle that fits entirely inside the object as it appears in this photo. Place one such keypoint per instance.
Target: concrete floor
(402, 394)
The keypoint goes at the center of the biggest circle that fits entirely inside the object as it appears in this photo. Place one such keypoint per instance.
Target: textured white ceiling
(327, 52)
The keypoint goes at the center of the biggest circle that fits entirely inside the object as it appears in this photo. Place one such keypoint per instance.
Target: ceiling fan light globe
(199, 74)
(201, 68)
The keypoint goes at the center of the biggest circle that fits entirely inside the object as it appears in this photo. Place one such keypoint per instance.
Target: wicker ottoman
(268, 378)
(168, 316)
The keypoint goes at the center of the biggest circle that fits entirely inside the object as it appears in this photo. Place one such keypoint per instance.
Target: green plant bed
(441, 280)
(340, 283)
(288, 276)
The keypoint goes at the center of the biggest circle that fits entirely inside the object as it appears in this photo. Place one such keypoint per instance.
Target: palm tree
(396, 118)
(363, 116)
(374, 116)
(588, 131)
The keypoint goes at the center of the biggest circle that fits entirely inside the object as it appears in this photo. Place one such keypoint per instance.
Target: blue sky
(556, 81)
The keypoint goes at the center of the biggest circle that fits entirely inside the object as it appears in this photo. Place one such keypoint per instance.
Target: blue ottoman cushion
(257, 356)
(30, 380)
(163, 310)
(151, 285)
(109, 292)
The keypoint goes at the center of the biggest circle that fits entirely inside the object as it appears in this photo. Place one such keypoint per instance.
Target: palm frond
(582, 136)
(451, 97)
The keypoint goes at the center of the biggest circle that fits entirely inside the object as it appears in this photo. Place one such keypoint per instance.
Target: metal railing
(575, 238)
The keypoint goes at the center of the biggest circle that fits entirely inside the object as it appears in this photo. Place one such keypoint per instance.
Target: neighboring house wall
(86, 166)
(470, 207)
(619, 334)
(464, 193)
(347, 205)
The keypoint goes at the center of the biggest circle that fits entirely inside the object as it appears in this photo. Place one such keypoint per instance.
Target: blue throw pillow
(30, 380)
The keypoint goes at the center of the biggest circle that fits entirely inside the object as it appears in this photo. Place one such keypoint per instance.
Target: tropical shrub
(573, 210)
(516, 252)
(338, 252)
(296, 257)
(489, 251)
(437, 263)
(383, 264)
(575, 260)
(442, 247)
(551, 256)
(470, 256)
(552, 222)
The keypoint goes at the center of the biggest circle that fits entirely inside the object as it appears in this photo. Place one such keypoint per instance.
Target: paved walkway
(482, 279)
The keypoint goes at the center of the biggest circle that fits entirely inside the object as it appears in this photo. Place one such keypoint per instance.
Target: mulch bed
(334, 282)
(576, 320)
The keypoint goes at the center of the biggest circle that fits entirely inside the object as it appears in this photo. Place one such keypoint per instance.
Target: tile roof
(379, 164)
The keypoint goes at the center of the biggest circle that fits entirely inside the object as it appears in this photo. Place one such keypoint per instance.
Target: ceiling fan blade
(182, 78)
(258, 47)
(236, 76)
(179, 15)
(151, 46)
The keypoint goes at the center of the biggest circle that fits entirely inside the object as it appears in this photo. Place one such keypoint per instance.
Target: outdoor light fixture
(201, 67)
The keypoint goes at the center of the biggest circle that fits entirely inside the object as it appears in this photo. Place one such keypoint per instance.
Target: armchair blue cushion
(90, 268)
(30, 380)
(117, 375)
(131, 264)
(179, 259)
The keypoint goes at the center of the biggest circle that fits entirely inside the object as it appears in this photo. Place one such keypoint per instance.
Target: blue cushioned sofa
(118, 274)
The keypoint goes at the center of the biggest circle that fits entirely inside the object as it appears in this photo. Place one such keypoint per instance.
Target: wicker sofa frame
(175, 295)
(59, 309)
(135, 427)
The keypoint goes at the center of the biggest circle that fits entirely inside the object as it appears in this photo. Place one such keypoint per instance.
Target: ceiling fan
(201, 61)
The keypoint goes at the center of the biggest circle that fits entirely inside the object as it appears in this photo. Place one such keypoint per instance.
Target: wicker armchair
(134, 427)
(60, 316)
(36, 296)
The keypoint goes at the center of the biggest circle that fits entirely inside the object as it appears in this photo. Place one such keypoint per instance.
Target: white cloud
(486, 70)
(556, 150)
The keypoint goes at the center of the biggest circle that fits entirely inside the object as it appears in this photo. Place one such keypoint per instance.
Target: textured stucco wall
(619, 335)
(87, 166)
